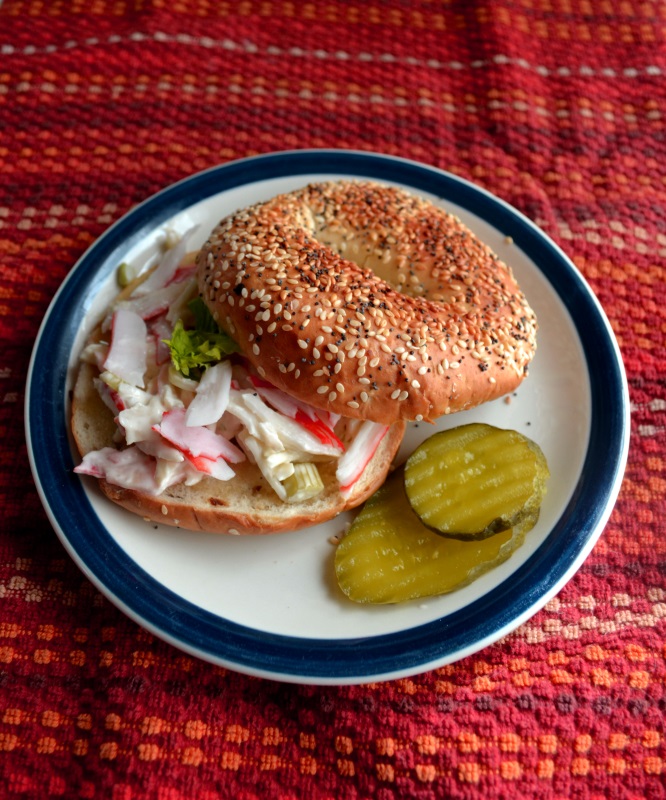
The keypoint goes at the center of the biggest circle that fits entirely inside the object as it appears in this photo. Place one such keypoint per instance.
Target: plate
(268, 606)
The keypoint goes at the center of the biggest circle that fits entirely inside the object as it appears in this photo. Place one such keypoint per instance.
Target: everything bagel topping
(375, 303)
(188, 406)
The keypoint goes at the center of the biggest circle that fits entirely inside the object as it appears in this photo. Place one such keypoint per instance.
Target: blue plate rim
(305, 660)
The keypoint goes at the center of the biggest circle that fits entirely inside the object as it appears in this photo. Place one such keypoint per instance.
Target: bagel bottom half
(244, 505)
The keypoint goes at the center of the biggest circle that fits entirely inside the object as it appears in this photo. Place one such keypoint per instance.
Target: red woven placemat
(556, 107)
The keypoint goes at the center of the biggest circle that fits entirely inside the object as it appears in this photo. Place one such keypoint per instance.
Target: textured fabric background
(558, 107)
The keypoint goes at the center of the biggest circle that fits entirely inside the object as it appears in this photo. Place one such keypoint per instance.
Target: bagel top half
(368, 301)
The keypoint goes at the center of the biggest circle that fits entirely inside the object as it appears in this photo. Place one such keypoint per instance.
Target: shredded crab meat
(362, 449)
(252, 411)
(138, 419)
(196, 441)
(168, 266)
(212, 396)
(127, 354)
(158, 302)
(131, 469)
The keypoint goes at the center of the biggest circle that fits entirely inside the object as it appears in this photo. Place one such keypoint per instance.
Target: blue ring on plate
(321, 660)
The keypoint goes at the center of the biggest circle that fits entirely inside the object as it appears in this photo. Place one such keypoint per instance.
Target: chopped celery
(125, 275)
(304, 483)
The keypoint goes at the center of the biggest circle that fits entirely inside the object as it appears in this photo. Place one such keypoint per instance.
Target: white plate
(268, 606)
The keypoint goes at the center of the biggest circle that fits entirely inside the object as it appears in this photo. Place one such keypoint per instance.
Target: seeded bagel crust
(244, 505)
(369, 302)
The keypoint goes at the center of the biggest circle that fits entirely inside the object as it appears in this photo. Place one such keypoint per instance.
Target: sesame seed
(322, 389)
(364, 397)
(353, 404)
(255, 349)
(423, 370)
(332, 396)
(415, 384)
(340, 388)
(403, 395)
(395, 394)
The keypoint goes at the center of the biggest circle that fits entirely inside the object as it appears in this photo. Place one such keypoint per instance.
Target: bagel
(369, 301)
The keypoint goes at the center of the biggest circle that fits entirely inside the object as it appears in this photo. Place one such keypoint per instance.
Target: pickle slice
(389, 556)
(476, 480)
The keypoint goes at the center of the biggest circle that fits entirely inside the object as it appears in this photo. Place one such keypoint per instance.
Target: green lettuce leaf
(194, 350)
(203, 319)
